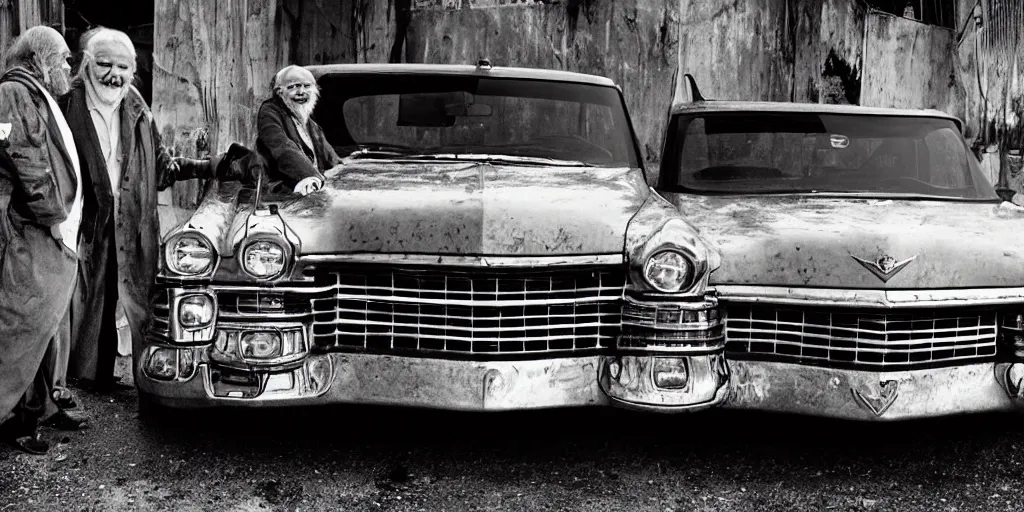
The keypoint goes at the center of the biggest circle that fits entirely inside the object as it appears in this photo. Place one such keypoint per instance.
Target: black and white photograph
(512, 255)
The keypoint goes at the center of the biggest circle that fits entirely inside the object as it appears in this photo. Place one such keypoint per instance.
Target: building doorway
(137, 22)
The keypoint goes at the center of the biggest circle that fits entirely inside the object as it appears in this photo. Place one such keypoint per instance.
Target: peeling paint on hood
(467, 208)
(811, 242)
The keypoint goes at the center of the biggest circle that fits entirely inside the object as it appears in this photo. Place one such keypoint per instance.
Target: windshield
(469, 117)
(744, 153)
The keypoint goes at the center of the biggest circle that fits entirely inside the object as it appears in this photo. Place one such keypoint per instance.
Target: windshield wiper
(508, 159)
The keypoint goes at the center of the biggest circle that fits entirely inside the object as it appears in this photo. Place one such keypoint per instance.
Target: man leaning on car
(291, 142)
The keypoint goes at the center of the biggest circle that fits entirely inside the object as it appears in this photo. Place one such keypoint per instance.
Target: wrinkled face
(110, 67)
(57, 71)
(298, 90)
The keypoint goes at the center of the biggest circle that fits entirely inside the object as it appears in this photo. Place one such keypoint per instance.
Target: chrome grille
(160, 324)
(877, 340)
(455, 311)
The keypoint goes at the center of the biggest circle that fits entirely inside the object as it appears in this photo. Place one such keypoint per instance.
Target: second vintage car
(490, 242)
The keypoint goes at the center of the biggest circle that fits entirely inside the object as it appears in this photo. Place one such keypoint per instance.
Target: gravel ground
(362, 458)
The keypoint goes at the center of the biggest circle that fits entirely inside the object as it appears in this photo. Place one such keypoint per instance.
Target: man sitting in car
(291, 142)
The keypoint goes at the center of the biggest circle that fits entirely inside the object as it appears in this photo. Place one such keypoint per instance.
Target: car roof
(810, 108)
(460, 70)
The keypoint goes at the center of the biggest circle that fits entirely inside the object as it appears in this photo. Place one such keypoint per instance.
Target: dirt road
(360, 458)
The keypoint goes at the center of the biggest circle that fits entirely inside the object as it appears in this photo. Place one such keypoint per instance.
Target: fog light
(260, 345)
(195, 311)
(163, 364)
(670, 372)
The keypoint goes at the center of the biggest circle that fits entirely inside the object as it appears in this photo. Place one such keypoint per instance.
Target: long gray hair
(33, 49)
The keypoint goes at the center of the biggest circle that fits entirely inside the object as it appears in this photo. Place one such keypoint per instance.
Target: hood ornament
(884, 267)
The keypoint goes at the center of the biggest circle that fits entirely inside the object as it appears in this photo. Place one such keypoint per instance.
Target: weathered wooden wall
(18, 15)
(828, 40)
(214, 58)
(908, 65)
(738, 50)
(989, 58)
(213, 61)
(631, 41)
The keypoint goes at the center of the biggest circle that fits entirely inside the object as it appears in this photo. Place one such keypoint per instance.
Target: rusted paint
(804, 241)
(458, 208)
(216, 214)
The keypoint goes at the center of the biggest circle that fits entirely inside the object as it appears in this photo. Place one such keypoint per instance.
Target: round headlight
(668, 271)
(190, 255)
(263, 258)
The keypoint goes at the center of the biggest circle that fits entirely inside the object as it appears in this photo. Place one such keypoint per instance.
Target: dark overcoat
(120, 251)
(288, 159)
(37, 274)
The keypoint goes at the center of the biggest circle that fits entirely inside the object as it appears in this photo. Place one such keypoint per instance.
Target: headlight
(195, 311)
(190, 255)
(263, 258)
(260, 345)
(668, 271)
(163, 364)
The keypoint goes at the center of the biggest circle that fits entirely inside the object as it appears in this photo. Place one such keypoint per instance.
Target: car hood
(467, 208)
(814, 242)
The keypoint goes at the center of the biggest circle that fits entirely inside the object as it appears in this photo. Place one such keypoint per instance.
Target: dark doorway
(932, 12)
(137, 22)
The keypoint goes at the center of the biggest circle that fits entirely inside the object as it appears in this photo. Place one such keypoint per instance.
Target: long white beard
(109, 97)
(57, 81)
(302, 111)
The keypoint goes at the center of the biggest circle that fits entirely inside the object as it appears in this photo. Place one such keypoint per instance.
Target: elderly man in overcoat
(293, 145)
(40, 215)
(125, 167)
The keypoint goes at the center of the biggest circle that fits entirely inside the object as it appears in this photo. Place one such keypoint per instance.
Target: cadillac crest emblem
(884, 267)
(877, 398)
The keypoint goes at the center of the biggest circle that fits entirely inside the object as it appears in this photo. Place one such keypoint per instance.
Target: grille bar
(467, 311)
(842, 337)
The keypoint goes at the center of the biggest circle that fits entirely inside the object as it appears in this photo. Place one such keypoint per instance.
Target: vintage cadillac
(490, 242)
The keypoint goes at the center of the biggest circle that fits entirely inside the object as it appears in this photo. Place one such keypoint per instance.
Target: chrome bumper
(406, 381)
(594, 381)
(860, 395)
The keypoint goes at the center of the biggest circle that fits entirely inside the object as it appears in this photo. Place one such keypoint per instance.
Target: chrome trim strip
(489, 303)
(870, 298)
(465, 260)
(271, 288)
(886, 344)
(262, 316)
(449, 337)
(581, 325)
(469, 318)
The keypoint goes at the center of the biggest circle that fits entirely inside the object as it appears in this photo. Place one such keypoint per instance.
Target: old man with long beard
(292, 143)
(40, 215)
(125, 167)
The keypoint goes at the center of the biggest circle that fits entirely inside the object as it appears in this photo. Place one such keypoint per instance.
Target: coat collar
(23, 76)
